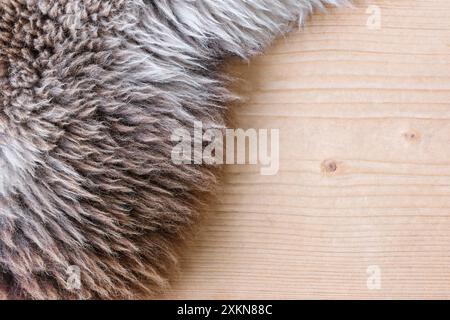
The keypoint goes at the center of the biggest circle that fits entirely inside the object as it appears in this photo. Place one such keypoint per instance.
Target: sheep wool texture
(90, 94)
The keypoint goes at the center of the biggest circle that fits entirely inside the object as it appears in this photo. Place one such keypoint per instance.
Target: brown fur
(90, 92)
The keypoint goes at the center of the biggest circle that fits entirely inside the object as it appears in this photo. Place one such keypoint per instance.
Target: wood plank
(364, 119)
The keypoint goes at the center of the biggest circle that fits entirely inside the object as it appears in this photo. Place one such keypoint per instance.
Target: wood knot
(329, 166)
(412, 136)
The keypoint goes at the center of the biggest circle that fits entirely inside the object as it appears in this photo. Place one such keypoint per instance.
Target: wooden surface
(364, 119)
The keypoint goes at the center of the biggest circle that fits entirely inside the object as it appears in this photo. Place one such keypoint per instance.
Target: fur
(90, 92)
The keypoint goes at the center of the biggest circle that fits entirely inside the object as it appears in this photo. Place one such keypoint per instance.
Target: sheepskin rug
(90, 93)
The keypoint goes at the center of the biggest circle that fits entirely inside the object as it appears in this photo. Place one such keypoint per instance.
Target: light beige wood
(364, 119)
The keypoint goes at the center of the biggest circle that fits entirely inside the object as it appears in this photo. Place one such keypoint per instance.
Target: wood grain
(364, 119)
